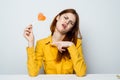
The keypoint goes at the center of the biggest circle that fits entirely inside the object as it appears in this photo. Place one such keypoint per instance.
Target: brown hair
(72, 35)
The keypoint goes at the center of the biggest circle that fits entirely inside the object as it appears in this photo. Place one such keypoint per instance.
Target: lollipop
(41, 17)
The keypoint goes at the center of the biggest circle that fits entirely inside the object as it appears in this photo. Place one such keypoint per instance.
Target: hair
(72, 35)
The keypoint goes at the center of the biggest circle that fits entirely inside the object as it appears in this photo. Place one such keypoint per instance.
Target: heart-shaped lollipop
(41, 17)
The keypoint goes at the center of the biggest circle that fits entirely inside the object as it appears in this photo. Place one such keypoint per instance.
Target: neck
(57, 36)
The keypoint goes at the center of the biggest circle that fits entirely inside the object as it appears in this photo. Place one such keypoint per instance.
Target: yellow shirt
(44, 53)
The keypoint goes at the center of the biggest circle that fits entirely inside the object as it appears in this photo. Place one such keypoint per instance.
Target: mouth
(64, 26)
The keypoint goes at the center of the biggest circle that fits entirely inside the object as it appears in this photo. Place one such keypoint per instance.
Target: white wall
(100, 27)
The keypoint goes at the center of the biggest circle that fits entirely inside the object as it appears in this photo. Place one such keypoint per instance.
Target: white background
(99, 24)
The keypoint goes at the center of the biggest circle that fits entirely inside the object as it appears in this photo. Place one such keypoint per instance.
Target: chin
(63, 32)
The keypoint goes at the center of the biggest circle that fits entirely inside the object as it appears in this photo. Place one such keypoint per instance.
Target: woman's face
(65, 22)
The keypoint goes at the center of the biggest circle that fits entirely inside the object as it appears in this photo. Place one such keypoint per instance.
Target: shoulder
(44, 40)
(79, 42)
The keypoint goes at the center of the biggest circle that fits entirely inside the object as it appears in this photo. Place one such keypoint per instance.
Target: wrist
(71, 43)
(30, 44)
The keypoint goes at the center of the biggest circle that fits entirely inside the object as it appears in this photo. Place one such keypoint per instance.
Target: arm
(77, 59)
(34, 61)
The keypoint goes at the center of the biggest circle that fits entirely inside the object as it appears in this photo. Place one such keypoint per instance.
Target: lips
(64, 26)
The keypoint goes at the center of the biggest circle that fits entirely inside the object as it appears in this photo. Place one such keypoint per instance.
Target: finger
(26, 30)
(63, 49)
(25, 35)
(60, 51)
(29, 26)
(31, 30)
(60, 48)
(53, 44)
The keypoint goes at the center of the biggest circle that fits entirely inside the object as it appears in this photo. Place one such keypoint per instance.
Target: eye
(71, 23)
(65, 17)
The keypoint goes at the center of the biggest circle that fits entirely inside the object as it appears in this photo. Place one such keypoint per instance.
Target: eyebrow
(68, 18)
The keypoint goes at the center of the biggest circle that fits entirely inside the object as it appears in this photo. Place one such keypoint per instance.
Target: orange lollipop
(41, 17)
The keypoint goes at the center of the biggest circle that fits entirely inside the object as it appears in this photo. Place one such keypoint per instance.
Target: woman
(61, 52)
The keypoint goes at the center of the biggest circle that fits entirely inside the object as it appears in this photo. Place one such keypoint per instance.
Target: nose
(67, 22)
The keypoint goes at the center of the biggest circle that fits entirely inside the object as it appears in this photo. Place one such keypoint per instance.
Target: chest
(50, 52)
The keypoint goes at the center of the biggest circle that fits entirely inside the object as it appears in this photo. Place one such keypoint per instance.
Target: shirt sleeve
(34, 60)
(76, 54)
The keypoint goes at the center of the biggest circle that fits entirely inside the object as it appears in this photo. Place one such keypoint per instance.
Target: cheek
(70, 27)
(59, 22)
(58, 25)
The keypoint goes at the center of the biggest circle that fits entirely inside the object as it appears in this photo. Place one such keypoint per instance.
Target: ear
(58, 17)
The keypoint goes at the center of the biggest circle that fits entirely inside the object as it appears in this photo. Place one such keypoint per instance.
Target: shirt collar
(48, 40)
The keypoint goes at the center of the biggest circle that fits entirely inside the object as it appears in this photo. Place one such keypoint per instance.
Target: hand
(61, 45)
(28, 34)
